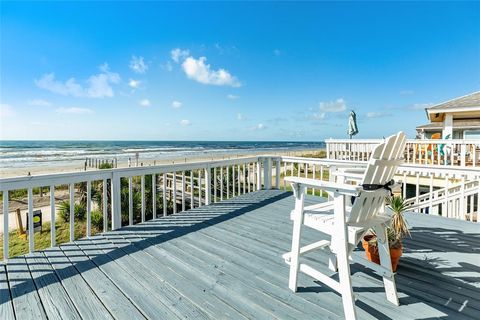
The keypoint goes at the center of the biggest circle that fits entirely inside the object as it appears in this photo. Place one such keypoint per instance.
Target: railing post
(5, 226)
(267, 173)
(463, 154)
(277, 173)
(208, 185)
(116, 203)
(258, 166)
(328, 149)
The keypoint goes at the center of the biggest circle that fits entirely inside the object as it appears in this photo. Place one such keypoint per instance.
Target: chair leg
(296, 235)
(295, 255)
(346, 282)
(385, 261)
(340, 239)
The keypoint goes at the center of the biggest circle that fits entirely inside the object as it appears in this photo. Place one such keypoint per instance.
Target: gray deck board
(223, 261)
(55, 301)
(194, 291)
(112, 297)
(86, 301)
(6, 306)
(134, 290)
(162, 295)
(26, 301)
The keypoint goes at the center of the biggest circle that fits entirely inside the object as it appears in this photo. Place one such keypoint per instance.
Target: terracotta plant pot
(372, 253)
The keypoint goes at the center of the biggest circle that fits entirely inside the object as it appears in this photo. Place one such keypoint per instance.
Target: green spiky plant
(398, 228)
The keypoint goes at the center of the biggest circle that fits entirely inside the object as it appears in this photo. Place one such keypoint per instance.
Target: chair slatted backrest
(381, 168)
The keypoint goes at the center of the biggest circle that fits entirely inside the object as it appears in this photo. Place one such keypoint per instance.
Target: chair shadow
(436, 281)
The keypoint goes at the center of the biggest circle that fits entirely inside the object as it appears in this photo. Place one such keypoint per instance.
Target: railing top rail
(324, 161)
(443, 141)
(431, 168)
(353, 140)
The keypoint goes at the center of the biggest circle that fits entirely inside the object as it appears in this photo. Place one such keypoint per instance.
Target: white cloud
(74, 110)
(338, 105)
(277, 52)
(232, 97)
(240, 117)
(138, 65)
(178, 54)
(39, 103)
(420, 106)
(145, 103)
(185, 123)
(134, 84)
(372, 115)
(6, 110)
(198, 70)
(98, 86)
(176, 104)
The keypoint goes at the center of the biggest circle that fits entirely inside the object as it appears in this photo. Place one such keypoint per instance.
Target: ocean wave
(24, 154)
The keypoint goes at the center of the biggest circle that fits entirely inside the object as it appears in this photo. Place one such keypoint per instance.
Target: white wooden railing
(457, 201)
(190, 185)
(462, 184)
(427, 152)
(195, 184)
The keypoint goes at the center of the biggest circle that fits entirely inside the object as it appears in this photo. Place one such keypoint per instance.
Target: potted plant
(397, 230)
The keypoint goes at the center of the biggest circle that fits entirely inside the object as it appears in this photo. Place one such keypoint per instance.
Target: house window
(457, 134)
(472, 134)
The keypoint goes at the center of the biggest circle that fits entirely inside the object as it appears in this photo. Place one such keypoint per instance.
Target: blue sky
(230, 71)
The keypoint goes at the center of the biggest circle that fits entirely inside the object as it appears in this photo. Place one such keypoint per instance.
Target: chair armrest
(345, 189)
(350, 174)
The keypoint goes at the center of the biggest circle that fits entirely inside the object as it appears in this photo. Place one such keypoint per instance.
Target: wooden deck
(224, 262)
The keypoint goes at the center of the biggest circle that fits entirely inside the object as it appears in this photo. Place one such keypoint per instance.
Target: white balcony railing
(181, 186)
(426, 152)
(178, 187)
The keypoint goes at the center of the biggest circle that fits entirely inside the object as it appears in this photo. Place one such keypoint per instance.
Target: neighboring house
(459, 118)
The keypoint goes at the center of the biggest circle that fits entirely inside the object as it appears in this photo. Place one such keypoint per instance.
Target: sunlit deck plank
(55, 300)
(26, 302)
(86, 301)
(166, 297)
(111, 296)
(6, 307)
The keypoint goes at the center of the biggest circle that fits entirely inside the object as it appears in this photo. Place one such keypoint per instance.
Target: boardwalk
(223, 261)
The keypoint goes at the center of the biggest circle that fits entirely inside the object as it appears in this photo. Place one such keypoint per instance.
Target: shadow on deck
(223, 261)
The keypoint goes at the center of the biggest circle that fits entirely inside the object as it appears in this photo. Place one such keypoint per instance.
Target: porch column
(448, 126)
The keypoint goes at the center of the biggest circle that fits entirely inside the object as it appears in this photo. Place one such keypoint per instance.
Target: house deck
(223, 261)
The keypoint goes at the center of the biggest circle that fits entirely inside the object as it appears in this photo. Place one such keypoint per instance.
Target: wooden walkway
(224, 262)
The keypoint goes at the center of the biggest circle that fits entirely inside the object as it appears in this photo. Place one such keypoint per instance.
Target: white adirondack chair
(346, 224)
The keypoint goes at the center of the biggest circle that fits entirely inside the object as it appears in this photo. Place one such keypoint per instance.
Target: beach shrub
(97, 219)
(105, 165)
(64, 211)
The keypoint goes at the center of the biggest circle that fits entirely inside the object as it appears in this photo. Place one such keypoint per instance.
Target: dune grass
(18, 244)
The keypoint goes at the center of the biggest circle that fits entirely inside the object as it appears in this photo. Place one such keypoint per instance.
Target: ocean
(23, 154)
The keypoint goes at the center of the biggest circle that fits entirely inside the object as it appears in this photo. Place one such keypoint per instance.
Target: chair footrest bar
(380, 270)
(335, 285)
(308, 248)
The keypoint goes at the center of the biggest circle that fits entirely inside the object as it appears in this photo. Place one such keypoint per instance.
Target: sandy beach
(77, 165)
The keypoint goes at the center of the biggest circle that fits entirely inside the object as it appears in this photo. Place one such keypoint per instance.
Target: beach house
(458, 118)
